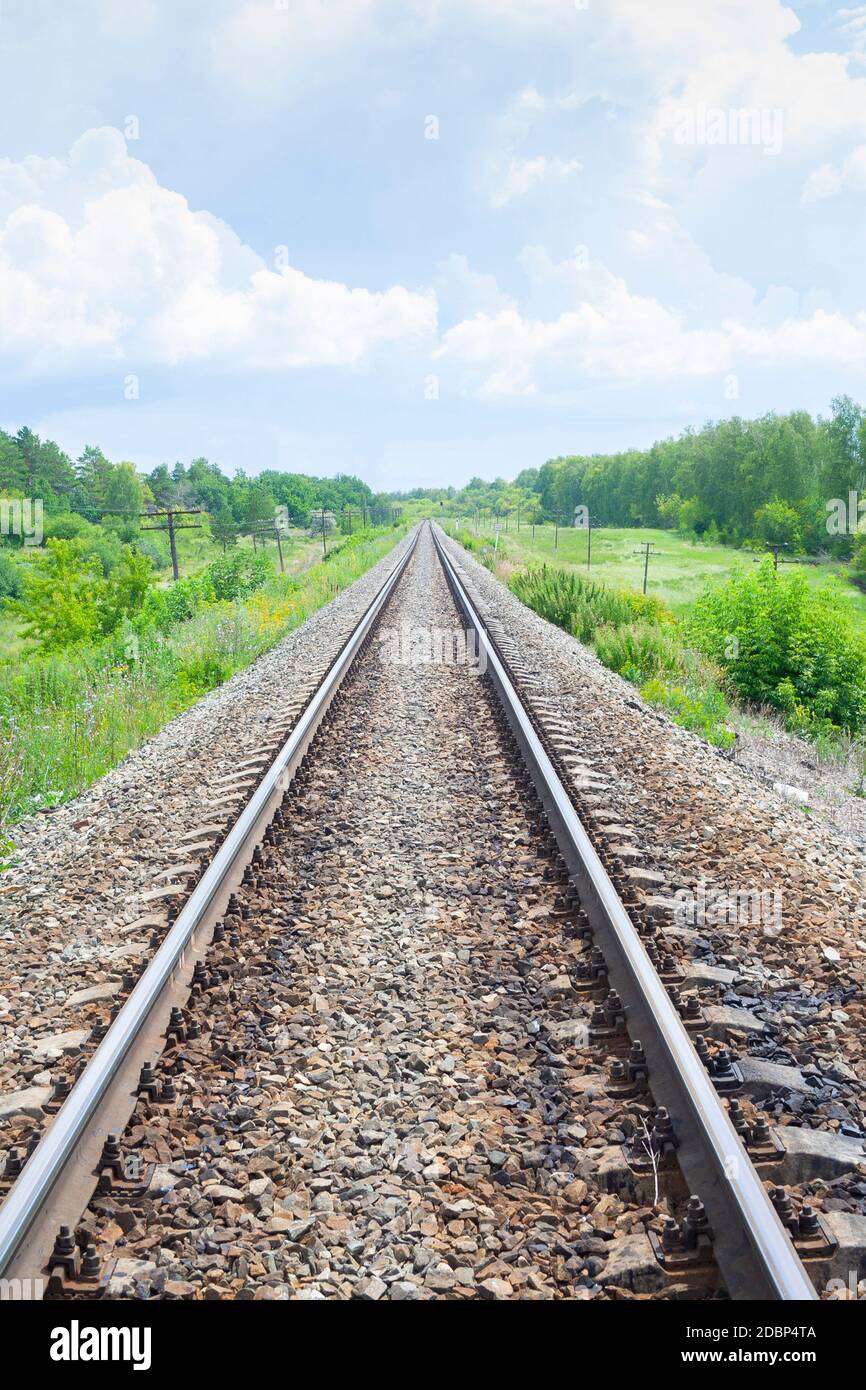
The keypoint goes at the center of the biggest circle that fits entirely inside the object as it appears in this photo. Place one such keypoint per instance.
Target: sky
(424, 241)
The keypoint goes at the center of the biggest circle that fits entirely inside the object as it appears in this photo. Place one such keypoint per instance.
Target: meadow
(679, 569)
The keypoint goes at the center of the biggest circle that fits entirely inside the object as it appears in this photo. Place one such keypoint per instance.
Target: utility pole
(271, 529)
(645, 550)
(556, 530)
(172, 528)
(585, 523)
(324, 536)
(774, 550)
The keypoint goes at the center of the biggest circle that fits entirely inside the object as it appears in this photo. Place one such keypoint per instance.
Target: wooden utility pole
(556, 530)
(774, 550)
(172, 528)
(645, 550)
(267, 529)
(324, 536)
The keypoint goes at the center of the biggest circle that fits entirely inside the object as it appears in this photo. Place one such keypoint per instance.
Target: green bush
(640, 650)
(163, 608)
(778, 523)
(10, 578)
(68, 601)
(784, 644)
(239, 573)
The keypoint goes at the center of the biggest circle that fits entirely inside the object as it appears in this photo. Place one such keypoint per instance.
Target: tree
(668, 508)
(163, 486)
(260, 508)
(223, 528)
(779, 524)
(63, 590)
(125, 591)
(67, 600)
(122, 499)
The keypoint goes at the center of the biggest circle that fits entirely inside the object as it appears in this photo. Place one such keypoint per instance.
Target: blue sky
(424, 240)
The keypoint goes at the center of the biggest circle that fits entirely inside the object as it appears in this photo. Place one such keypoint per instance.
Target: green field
(678, 569)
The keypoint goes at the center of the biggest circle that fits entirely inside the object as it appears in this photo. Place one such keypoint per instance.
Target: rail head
(753, 1249)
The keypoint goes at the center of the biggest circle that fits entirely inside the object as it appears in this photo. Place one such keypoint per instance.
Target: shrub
(163, 608)
(785, 644)
(640, 650)
(779, 524)
(239, 573)
(10, 578)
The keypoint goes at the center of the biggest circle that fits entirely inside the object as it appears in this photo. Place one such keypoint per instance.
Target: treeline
(114, 494)
(768, 479)
(735, 481)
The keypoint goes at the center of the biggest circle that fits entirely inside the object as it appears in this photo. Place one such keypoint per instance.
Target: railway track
(557, 996)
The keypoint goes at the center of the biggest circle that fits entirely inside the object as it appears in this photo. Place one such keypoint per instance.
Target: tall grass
(636, 636)
(67, 719)
(581, 606)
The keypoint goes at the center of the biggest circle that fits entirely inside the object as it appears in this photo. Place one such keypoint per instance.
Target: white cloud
(828, 180)
(462, 291)
(99, 264)
(853, 25)
(517, 176)
(608, 333)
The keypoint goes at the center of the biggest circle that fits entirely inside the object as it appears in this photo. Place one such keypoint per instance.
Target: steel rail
(753, 1250)
(60, 1144)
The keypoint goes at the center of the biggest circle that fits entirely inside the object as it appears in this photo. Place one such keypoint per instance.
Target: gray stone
(495, 1288)
(404, 1291)
(96, 994)
(631, 1264)
(700, 974)
(817, 1153)
(761, 1078)
(723, 1017)
(371, 1289)
(28, 1101)
(849, 1259)
(56, 1043)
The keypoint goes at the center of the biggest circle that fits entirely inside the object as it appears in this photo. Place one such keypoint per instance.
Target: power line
(172, 528)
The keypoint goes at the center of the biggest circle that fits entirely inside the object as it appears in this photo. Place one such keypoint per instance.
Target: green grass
(195, 550)
(67, 719)
(678, 570)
